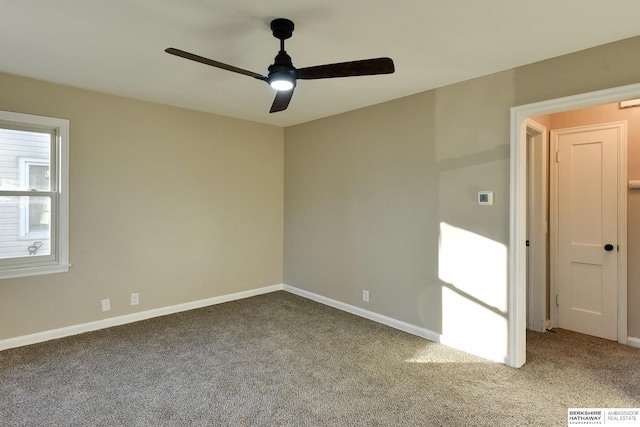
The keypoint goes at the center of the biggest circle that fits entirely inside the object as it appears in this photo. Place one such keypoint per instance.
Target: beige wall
(171, 203)
(613, 113)
(370, 196)
(384, 198)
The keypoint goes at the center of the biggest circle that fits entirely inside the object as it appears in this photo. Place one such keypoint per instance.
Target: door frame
(517, 285)
(537, 213)
(622, 225)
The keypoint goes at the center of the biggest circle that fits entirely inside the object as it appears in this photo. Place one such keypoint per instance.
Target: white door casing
(585, 182)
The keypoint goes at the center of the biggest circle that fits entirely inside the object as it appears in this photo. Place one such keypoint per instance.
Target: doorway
(518, 210)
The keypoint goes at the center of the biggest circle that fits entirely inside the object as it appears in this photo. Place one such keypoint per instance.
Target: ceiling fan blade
(365, 67)
(283, 97)
(207, 61)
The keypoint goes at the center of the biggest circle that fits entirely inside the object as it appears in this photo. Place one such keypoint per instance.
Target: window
(34, 203)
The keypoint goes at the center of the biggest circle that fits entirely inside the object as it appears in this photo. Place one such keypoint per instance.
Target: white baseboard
(400, 325)
(163, 311)
(379, 318)
(633, 342)
(130, 318)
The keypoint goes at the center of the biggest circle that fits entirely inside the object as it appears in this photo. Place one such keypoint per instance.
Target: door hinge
(557, 304)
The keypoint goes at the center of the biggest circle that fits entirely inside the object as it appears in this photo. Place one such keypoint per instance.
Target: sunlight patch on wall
(473, 264)
(474, 293)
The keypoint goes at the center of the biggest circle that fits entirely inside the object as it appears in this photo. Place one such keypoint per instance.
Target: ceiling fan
(282, 74)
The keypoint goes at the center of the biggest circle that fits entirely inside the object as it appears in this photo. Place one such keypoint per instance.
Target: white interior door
(587, 233)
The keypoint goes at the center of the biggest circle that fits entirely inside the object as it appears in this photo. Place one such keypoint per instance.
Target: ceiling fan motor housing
(283, 69)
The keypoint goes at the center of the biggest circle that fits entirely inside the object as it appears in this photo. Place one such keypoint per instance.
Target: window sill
(11, 273)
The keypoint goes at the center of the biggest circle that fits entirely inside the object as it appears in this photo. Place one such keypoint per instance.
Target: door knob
(608, 247)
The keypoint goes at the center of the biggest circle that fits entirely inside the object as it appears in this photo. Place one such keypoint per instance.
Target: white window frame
(58, 261)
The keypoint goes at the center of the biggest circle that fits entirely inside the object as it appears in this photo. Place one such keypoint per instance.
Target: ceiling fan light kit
(283, 75)
(283, 82)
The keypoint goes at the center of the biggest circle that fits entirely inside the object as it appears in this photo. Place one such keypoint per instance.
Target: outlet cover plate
(365, 296)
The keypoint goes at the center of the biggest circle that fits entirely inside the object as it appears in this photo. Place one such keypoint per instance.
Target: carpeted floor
(279, 359)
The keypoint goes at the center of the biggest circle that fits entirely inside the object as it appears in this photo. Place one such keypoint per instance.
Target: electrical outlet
(135, 298)
(106, 304)
(365, 295)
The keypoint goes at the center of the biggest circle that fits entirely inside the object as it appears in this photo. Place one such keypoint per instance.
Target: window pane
(24, 226)
(24, 159)
(38, 176)
(39, 214)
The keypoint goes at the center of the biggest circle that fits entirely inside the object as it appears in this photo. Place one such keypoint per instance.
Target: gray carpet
(279, 359)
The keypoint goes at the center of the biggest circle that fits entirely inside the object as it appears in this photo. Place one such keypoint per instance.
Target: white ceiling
(117, 46)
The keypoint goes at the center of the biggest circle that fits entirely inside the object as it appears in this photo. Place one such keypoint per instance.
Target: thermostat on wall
(485, 197)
